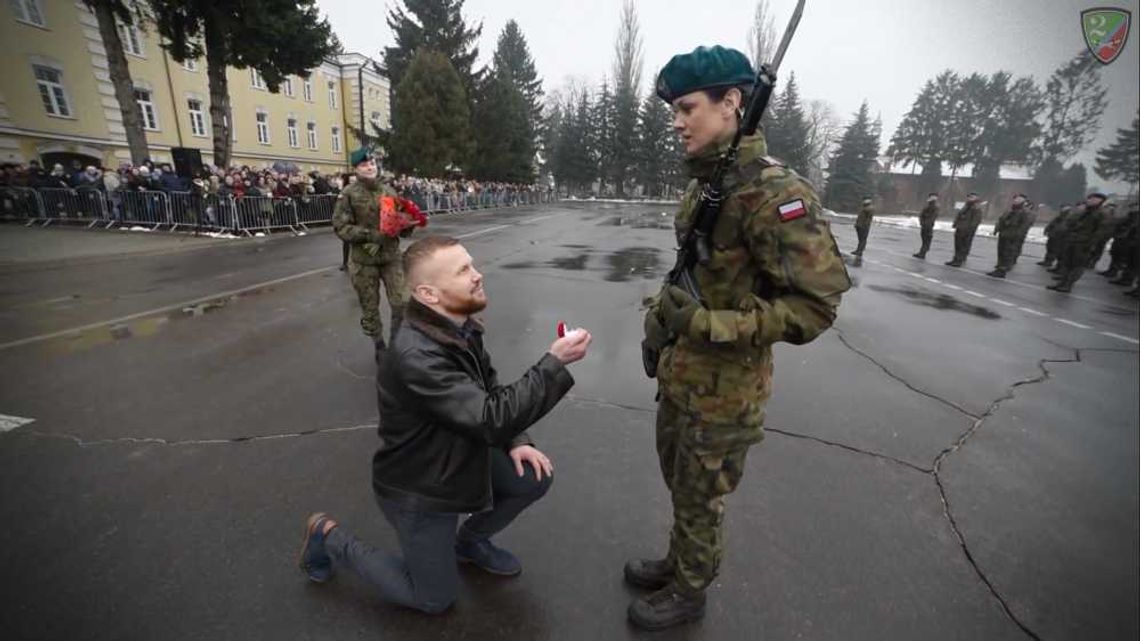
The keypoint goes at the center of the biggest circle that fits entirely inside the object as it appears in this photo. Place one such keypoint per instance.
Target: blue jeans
(427, 577)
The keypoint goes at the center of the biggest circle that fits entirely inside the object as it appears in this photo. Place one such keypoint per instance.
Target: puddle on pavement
(646, 220)
(146, 326)
(938, 301)
(634, 262)
(574, 263)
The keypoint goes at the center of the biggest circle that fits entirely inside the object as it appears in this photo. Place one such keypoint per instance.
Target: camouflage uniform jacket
(968, 217)
(928, 216)
(1089, 226)
(1060, 223)
(866, 215)
(775, 274)
(356, 219)
(1015, 223)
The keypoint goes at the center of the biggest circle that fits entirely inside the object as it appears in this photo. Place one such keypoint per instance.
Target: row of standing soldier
(1077, 236)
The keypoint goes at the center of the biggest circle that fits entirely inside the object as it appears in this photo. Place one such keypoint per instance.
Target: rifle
(694, 246)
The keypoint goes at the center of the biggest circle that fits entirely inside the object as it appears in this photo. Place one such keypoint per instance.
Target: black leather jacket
(442, 410)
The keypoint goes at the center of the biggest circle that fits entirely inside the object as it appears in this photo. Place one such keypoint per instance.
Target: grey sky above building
(844, 52)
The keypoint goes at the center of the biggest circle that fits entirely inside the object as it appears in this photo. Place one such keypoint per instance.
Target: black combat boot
(919, 255)
(997, 273)
(666, 608)
(649, 573)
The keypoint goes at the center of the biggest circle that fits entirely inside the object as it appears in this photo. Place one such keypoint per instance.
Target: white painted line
(1003, 302)
(482, 231)
(8, 423)
(1123, 338)
(916, 275)
(535, 220)
(1032, 311)
(1069, 322)
(164, 309)
(932, 280)
(954, 287)
(973, 293)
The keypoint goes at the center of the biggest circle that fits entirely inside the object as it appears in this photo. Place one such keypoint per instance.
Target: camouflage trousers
(963, 241)
(926, 234)
(698, 477)
(366, 281)
(1009, 249)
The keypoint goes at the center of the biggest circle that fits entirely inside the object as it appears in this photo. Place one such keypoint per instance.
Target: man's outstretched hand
(571, 347)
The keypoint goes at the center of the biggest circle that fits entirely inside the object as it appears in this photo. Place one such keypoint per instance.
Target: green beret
(704, 68)
(359, 156)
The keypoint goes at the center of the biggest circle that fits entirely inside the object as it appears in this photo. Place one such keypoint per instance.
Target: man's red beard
(466, 307)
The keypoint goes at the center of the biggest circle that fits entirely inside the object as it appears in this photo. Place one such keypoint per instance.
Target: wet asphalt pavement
(956, 459)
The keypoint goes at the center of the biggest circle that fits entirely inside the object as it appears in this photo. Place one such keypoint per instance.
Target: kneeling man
(453, 441)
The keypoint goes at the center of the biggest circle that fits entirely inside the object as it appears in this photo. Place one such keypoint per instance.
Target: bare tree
(627, 85)
(628, 58)
(824, 129)
(106, 12)
(762, 34)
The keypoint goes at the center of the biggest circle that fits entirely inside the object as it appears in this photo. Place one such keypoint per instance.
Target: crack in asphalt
(957, 445)
(904, 382)
(148, 440)
(849, 448)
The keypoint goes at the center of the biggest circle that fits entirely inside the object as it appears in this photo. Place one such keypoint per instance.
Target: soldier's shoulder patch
(792, 210)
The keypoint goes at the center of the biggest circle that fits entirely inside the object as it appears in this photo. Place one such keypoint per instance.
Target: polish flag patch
(792, 210)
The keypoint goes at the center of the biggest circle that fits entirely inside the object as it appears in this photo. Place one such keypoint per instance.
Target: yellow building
(57, 101)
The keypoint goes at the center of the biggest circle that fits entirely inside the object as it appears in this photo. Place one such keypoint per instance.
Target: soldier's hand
(678, 309)
(372, 249)
(571, 347)
(656, 334)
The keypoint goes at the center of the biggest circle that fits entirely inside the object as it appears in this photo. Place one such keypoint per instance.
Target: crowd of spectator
(275, 181)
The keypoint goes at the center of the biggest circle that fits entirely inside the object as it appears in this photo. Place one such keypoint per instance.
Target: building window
(376, 118)
(263, 127)
(332, 95)
(197, 117)
(28, 11)
(336, 139)
(255, 79)
(292, 125)
(308, 89)
(50, 83)
(132, 42)
(146, 109)
(289, 87)
(312, 129)
(190, 64)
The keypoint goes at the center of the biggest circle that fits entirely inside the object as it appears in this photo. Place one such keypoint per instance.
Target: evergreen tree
(1005, 128)
(787, 129)
(512, 61)
(851, 177)
(504, 138)
(627, 82)
(924, 135)
(437, 25)
(657, 159)
(1075, 101)
(278, 38)
(1121, 159)
(601, 136)
(106, 12)
(575, 166)
(433, 136)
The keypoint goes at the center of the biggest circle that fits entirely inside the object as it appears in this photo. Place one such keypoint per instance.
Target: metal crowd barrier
(21, 203)
(246, 215)
(146, 208)
(315, 209)
(86, 205)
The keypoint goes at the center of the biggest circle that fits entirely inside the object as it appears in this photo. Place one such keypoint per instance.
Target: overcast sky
(844, 51)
